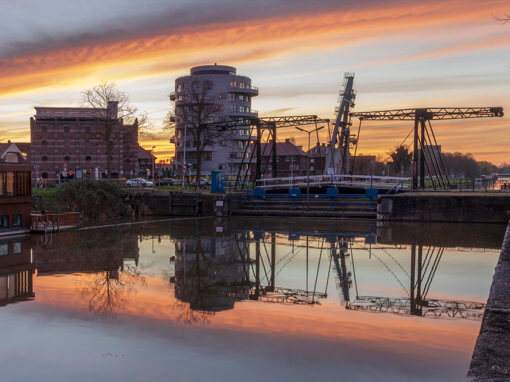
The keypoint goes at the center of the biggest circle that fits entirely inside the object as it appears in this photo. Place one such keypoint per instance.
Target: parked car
(165, 182)
(203, 182)
(139, 182)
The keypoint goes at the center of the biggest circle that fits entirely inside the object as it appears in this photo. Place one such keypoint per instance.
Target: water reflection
(16, 271)
(215, 270)
(308, 290)
(214, 265)
(108, 260)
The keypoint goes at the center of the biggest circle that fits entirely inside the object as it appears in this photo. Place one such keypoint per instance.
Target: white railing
(380, 182)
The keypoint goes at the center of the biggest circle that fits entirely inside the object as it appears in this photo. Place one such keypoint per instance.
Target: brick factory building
(65, 143)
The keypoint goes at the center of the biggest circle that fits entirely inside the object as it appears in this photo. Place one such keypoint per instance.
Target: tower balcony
(247, 89)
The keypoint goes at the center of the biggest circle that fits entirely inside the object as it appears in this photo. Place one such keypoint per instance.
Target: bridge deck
(349, 181)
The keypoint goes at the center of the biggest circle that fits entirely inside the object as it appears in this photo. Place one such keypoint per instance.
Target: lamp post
(309, 132)
(152, 159)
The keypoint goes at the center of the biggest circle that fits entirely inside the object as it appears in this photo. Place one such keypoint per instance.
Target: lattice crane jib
(338, 154)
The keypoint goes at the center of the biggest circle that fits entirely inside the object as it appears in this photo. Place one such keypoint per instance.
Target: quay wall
(181, 204)
(491, 356)
(445, 207)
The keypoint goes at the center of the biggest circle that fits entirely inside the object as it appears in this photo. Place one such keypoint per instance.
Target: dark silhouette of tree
(401, 158)
(112, 109)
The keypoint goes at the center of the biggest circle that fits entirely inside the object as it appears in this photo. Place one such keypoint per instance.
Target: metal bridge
(346, 181)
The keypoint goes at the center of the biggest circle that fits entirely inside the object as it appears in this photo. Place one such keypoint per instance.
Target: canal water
(245, 300)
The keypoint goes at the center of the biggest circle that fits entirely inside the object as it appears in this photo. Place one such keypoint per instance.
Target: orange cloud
(250, 40)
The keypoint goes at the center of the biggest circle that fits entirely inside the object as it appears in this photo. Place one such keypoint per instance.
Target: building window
(67, 158)
(66, 142)
(44, 158)
(208, 85)
(16, 220)
(16, 246)
(207, 155)
(44, 143)
(242, 85)
(127, 160)
(4, 248)
(4, 221)
(179, 88)
(44, 129)
(233, 84)
(231, 97)
(45, 175)
(241, 97)
(88, 158)
(67, 129)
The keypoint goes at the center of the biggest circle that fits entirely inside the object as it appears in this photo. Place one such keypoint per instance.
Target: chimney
(113, 109)
(287, 140)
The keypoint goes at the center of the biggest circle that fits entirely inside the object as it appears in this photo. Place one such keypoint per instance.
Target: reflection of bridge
(212, 273)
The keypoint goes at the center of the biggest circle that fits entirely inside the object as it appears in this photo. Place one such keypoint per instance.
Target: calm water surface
(245, 300)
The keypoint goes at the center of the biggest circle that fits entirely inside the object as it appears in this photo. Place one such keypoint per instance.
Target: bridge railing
(335, 180)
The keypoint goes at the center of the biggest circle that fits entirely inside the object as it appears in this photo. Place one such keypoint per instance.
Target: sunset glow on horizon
(404, 54)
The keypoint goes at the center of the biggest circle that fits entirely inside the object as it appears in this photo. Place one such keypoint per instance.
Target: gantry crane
(425, 152)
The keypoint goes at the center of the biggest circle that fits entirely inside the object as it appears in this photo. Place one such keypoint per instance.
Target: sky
(423, 53)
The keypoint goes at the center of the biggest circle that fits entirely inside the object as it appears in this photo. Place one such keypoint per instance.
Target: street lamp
(153, 160)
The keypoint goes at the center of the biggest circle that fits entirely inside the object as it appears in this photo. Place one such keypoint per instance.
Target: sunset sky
(410, 53)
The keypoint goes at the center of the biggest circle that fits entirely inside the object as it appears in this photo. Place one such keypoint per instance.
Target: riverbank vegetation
(94, 199)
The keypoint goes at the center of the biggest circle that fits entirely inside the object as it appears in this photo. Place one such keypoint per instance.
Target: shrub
(94, 198)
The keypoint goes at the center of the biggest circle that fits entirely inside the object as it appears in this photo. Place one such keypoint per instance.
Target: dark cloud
(168, 20)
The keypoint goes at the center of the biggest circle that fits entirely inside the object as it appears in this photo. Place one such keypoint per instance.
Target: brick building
(15, 191)
(65, 143)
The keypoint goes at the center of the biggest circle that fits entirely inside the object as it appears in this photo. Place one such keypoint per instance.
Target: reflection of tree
(108, 290)
(189, 315)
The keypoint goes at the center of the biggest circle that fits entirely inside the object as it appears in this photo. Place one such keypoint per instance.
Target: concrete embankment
(491, 356)
(465, 207)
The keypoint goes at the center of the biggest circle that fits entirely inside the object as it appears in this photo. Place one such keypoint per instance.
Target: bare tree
(112, 109)
(195, 110)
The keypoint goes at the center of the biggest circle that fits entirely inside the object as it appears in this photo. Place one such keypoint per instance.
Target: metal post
(413, 268)
(274, 172)
(184, 159)
(419, 302)
(273, 260)
(422, 154)
(152, 159)
(258, 173)
(415, 154)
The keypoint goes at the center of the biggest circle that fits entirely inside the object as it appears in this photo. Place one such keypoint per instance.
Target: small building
(145, 162)
(15, 191)
(291, 160)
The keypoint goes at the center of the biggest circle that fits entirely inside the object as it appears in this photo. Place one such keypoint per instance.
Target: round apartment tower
(228, 96)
